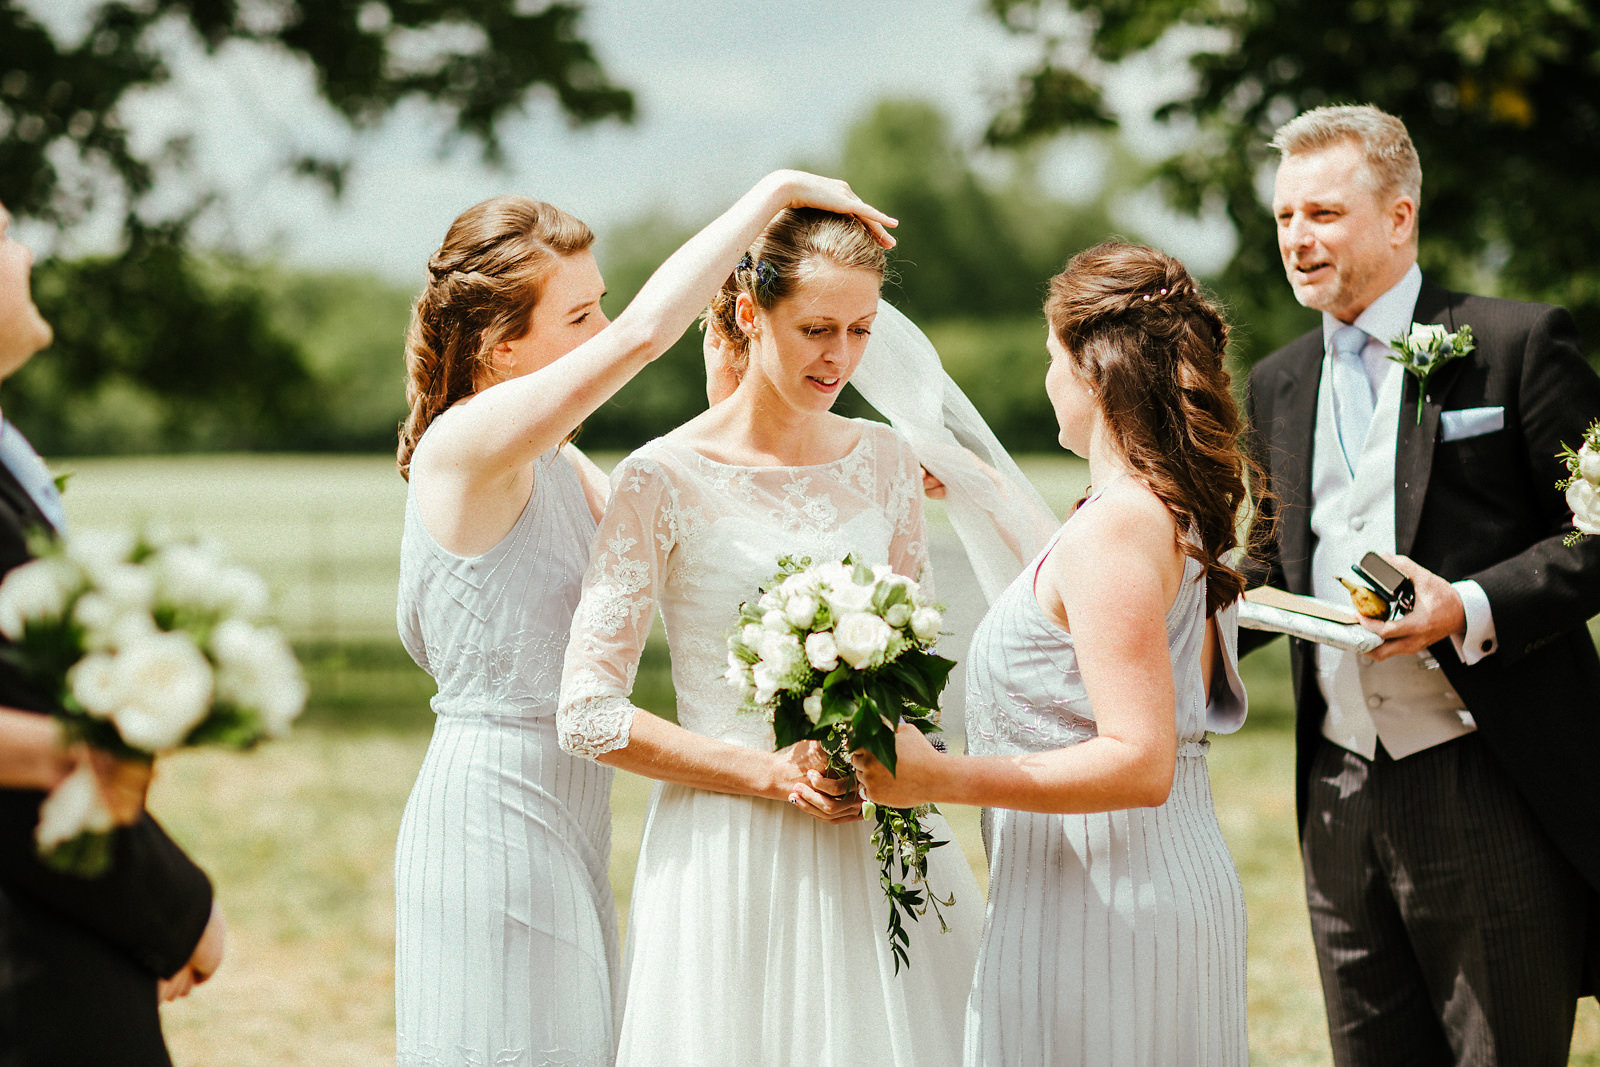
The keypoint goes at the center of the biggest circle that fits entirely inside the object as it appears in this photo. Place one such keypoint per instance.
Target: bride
(757, 923)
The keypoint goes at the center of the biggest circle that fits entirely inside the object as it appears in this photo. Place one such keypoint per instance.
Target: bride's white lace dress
(756, 933)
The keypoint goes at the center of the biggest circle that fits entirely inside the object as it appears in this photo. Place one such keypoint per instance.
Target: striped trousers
(1448, 927)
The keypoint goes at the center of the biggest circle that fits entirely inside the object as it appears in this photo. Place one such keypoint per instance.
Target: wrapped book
(1268, 608)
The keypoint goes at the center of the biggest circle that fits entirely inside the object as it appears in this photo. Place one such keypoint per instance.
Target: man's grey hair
(1383, 140)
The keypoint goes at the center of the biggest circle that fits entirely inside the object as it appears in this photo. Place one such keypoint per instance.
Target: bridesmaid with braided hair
(1115, 930)
(506, 945)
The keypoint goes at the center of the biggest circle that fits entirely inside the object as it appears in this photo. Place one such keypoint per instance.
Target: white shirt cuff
(1479, 640)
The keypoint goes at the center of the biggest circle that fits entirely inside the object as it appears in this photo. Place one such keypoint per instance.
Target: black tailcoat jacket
(1483, 507)
(79, 957)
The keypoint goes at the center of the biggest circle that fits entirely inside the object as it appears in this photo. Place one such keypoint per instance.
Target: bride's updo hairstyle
(1141, 334)
(792, 246)
(483, 283)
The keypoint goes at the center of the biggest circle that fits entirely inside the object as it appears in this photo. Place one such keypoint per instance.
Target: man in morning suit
(1448, 803)
(82, 961)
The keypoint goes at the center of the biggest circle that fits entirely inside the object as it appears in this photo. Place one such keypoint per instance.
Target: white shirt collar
(1387, 317)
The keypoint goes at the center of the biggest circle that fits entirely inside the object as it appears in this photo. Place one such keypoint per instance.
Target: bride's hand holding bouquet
(838, 656)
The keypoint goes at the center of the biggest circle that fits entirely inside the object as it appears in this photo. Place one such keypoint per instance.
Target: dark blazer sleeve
(152, 905)
(1547, 588)
(154, 902)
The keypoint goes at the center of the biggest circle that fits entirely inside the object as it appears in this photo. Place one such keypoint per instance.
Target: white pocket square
(1470, 422)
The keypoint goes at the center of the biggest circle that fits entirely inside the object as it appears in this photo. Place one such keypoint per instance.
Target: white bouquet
(1582, 485)
(143, 648)
(840, 653)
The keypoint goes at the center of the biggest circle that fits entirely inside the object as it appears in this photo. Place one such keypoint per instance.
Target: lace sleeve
(594, 715)
(902, 502)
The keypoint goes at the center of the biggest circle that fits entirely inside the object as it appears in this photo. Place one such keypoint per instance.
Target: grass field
(299, 836)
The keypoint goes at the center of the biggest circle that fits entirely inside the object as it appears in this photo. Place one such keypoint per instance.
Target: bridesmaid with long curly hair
(1115, 931)
(506, 946)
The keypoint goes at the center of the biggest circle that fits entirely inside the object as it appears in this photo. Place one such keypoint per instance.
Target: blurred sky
(725, 92)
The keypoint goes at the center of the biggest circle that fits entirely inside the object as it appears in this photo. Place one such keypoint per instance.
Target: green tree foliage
(973, 257)
(140, 365)
(481, 60)
(152, 353)
(968, 245)
(1501, 96)
(153, 349)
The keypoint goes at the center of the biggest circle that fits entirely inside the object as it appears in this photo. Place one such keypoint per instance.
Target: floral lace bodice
(491, 629)
(696, 538)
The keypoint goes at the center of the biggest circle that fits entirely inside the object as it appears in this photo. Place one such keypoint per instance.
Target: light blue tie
(1353, 402)
(29, 470)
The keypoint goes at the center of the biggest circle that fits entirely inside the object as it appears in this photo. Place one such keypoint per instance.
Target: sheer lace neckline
(861, 442)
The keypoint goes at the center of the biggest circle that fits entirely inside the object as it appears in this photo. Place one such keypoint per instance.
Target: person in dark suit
(84, 963)
(1449, 810)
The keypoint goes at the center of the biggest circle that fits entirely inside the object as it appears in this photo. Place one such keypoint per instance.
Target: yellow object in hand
(1366, 601)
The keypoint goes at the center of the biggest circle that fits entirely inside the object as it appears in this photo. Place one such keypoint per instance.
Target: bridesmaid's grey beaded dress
(1116, 937)
(505, 926)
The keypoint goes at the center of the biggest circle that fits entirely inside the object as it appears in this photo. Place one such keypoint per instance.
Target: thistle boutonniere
(1426, 348)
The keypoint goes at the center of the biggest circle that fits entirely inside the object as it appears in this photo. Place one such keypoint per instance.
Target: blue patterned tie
(1352, 392)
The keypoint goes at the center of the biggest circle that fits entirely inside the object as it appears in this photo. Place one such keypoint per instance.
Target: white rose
(1584, 500)
(256, 669)
(774, 622)
(769, 602)
(73, 807)
(898, 615)
(813, 706)
(108, 624)
(863, 638)
(127, 585)
(925, 623)
(847, 597)
(767, 683)
(96, 684)
(130, 626)
(802, 584)
(1589, 465)
(166, 687)
(821, 652)
(36, 590)
(832, 573)
(195, 576)
(750, 635)
(1425, 336)
(781, 653)
(801, 610)
(97, 614)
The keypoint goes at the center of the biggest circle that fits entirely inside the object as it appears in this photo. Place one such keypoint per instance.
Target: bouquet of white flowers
(144, 648)
(840, 654)
(1583, 485)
